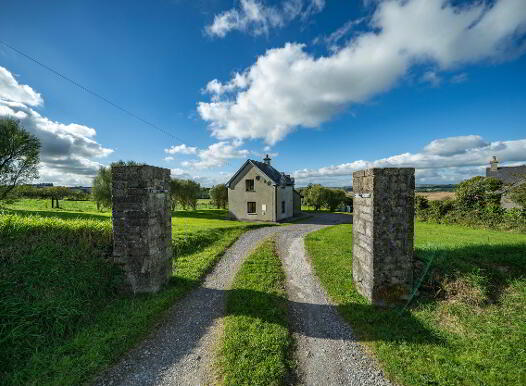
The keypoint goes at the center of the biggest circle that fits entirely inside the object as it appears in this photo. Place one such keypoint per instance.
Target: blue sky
(325, 87)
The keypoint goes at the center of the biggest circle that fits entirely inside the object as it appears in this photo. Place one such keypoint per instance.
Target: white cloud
(169, 158)
(67, 149)
(431, 77)
(459, 78)
(444, 160)
(287, 87)
(256, 18)
(11, 90)
(181, 149)
(206, 181)
(217, 155)
(334, 38)
(455, 145)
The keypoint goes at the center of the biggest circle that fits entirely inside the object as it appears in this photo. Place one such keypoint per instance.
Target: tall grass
(62, 315)
(54, 275)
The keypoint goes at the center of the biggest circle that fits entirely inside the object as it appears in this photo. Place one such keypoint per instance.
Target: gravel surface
(181, 351)
(326, 351)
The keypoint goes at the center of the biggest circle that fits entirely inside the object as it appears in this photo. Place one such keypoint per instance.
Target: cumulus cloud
(11, 90)
(443, 160)
(217, 155)
(256, 18)
(181, 149)
(287, 87)
(206, 181)
(432, 78)
(67, 149)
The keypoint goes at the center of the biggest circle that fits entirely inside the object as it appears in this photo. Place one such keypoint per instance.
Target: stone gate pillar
(383, 231)
(142, 225)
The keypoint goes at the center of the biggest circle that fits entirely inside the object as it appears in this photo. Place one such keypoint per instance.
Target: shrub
(478, 192)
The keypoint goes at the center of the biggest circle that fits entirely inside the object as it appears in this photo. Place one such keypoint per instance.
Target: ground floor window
(282, 206)
(251, 207)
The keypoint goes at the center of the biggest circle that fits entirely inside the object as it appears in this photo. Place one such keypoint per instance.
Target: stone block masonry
(383, 232)
(142, 225)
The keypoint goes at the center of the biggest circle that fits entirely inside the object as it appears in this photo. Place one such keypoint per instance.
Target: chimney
(494, 164)
(267, 160)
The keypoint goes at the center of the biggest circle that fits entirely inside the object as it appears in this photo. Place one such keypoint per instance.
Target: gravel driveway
(181, 351)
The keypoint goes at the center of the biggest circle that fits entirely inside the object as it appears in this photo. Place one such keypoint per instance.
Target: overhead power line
(95, 94)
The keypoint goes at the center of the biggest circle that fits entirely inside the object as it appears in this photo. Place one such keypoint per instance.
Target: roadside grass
(254, 349)
(467, 326)
(63, 318)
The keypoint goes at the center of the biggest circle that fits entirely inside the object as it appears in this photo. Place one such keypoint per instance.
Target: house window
(249, 185)
(251, 207)
(282, 206)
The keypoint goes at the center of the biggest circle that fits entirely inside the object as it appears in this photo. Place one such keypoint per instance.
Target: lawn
(62, 316)
(256, 341)
(467, 326)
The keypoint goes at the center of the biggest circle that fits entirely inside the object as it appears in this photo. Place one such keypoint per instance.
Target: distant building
(259, 192)
(510, 176)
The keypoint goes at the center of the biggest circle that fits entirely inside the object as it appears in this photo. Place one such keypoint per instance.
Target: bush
(478, 192)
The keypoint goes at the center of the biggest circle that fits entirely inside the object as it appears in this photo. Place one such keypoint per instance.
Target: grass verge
(468, 324)
(62, 318)
(255, 347)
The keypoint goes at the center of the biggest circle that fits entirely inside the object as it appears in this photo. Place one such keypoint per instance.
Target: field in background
(467, 326)
(62, 316)
(436, 196)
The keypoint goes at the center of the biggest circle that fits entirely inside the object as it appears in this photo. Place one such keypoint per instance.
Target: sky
(325, 87)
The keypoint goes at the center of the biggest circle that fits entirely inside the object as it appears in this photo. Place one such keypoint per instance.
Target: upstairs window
(251, 207)
(282, 206)
(249, 185)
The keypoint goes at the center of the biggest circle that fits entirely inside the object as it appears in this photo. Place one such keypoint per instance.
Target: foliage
(19, 155)
(319, 196)
(219, 196)
(314, 195)
(334, 198)
(518, 194)
(478, 192)
(62, 319)
(184, 193)
(255, 347)
(101, 189)
(421, 202)
(466, 326)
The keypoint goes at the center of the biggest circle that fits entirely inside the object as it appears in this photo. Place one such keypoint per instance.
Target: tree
(219, 195)
(315, 196)
(101, 189)
(184, 193)
(478, 192)
(19, 155)
(333, 198)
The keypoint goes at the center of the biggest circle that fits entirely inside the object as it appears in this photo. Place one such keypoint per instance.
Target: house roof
(508, 174)
(274, 175)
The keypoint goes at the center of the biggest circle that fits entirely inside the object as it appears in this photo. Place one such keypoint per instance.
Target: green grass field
(62, 316)
(254, 349)
(467, 327)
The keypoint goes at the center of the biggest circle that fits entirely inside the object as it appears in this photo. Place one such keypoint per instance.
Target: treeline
(320, 197)
(476, 203)
(184, 193)
(54, 193)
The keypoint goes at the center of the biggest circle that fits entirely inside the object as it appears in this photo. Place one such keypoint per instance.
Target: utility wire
(84, 88)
